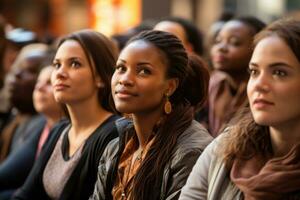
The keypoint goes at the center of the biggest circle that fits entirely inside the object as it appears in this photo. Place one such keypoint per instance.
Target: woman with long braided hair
(155, 153)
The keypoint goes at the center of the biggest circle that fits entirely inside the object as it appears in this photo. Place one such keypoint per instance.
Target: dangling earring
(168, 105)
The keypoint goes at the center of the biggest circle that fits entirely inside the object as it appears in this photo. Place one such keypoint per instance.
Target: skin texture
(23, 83)
(231, 51)
(274, 91)
(71, 71)
(139, 86)
(43, 97)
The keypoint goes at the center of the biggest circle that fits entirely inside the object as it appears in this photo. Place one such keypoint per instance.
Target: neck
(284, 138)
(86, 116)
(143, 125)
(51, 120)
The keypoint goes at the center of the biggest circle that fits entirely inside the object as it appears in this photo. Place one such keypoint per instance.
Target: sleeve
(104, 166)
(33, 188)
(16, 167)
(197, 184)
(179, 173)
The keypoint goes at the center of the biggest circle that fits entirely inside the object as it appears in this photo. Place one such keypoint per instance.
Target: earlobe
(172, 86)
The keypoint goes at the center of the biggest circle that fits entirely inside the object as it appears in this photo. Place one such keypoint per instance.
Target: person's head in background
(185, 30)
(232, 49)
(122, 38)
(24, 75)
(2, 51)
(43, 97)
(83, 65)
(16, 39)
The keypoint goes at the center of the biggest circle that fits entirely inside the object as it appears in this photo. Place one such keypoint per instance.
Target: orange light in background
(114, 16)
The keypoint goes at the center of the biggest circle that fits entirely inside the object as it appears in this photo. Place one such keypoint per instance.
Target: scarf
(262, 178)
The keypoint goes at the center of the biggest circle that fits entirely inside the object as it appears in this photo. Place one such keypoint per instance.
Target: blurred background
(57, 17)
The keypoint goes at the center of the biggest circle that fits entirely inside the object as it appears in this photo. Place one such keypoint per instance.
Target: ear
(99, 82)
(172, 86)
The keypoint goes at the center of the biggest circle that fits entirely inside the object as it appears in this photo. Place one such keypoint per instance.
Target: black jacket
(82, 180)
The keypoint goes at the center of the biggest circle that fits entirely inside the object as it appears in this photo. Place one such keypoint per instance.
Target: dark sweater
(82, 180)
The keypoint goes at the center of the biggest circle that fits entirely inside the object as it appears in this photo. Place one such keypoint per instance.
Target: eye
(252, 72)
(75, 64)
(56, 65)
(120, 68)
(234, 41)
(144, 71)
(217, 40)
(279, 73)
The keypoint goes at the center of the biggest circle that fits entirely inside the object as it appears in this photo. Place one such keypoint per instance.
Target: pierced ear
(99, 82)
(172, 86)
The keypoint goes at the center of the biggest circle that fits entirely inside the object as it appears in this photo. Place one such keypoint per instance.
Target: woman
(16, 167)
(155, 153)
(259, 156)
(230, 56)
(67, 166)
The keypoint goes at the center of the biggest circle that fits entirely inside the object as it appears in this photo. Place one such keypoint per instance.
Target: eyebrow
(140, 63)
(277, 64)
(71, 58)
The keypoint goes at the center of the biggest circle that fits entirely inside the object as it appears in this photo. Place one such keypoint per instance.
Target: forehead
(68, 47)
(236, 27)
(273, 49)
(141, 50)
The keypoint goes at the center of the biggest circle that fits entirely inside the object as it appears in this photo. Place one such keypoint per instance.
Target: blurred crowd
(161, 111)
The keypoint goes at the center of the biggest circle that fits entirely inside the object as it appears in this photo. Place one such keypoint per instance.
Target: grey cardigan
(189, 146)
(209, 178)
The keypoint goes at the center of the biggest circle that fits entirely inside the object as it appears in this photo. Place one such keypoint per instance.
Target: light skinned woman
(258, 158)
(67, 166)
(155, 153)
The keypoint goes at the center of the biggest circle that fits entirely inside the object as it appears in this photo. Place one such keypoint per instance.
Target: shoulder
(195, 136)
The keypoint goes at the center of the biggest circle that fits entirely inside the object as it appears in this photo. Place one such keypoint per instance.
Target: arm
(16, 167)
(197, 184)
(105, 164)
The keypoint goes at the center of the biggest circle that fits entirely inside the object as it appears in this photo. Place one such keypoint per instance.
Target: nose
(262, 83)
(222, 46)
(127, 79)
(61, 72)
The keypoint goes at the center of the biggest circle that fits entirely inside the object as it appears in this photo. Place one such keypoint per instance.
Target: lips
(123, 94)
(262, 103)
(60, 87)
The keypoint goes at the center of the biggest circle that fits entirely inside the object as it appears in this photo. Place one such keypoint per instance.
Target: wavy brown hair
(247, 138)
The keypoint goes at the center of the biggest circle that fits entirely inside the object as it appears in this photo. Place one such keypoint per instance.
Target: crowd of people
(159, 112)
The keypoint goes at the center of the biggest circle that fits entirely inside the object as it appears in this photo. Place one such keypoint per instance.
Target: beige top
(59, 169)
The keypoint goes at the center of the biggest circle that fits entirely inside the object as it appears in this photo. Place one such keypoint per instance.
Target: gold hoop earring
(168, 105)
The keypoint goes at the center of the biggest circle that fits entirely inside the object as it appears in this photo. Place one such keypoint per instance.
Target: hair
(193, 34)
(2, 51)
(148, 178)
(100, 53)
(253, 22)
(247, 138)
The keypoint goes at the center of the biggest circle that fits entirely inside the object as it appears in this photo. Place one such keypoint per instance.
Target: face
(139, 82)
(22, 84)
(232, 48)
(176, 29)
(72, 79)
(43, 97)
(274, 85)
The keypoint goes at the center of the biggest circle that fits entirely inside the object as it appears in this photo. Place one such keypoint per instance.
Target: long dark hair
(148, 178)
(99, 51)
(247, 138)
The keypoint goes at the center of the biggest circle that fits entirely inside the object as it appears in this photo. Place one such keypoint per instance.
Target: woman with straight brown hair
(68, 164)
